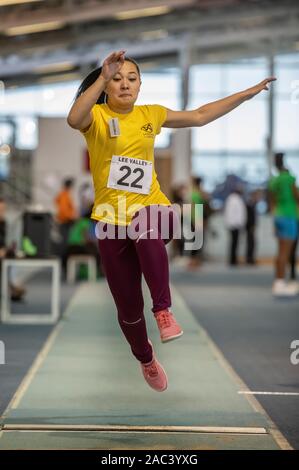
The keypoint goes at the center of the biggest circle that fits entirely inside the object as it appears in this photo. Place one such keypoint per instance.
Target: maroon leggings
(125, 260)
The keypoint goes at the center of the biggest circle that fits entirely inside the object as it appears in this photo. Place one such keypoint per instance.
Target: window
(238, 142)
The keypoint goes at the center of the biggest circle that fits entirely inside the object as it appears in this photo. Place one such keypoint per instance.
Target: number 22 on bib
(130, 174)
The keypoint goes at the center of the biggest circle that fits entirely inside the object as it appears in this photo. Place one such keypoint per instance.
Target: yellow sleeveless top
(138, 130)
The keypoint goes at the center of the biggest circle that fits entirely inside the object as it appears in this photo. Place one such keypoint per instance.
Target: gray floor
(89, 382)
(236, 308)
(23, 342)
(253, 330)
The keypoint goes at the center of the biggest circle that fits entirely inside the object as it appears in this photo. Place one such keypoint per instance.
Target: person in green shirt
(283, 201)
(81, 239)
(293, 260)
(79, 233)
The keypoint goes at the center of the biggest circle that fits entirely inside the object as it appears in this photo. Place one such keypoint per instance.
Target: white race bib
(130, 174)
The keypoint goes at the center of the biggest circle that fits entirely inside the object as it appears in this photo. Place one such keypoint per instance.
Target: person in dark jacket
(17, 292)
(250, 227)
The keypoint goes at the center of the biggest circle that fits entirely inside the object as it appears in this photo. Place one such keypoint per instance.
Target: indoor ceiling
(44, 41)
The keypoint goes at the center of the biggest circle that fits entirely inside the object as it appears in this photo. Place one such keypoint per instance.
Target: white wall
(181, 156)
(59, 155)
(266, 243)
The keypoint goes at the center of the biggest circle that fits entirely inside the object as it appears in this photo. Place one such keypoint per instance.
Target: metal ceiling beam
(90, 11)
(215, 33)
(171, 45)
(173, 23)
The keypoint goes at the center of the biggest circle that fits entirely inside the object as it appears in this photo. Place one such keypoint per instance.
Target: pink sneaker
(169, 328)
(154, 374)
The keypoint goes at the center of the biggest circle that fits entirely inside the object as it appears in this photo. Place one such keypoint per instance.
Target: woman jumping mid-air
(120, 138)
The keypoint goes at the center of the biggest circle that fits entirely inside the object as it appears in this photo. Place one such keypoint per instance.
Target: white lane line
(40, 358)
(34, 368)
(292, 394)
(273, 430)
(145, 429)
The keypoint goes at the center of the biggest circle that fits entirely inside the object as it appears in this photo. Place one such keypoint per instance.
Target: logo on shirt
(147, 130)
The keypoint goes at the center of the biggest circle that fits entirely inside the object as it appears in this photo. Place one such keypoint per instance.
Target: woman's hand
(112, 64)
(251, 92)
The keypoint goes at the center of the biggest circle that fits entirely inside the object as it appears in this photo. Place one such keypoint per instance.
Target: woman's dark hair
(278, 157)
(197, 180)
(68, 183)
(92, 77)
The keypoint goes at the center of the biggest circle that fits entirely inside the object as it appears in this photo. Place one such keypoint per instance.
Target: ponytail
(87, 82)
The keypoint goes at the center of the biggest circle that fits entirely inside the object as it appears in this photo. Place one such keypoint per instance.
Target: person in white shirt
(235, 220)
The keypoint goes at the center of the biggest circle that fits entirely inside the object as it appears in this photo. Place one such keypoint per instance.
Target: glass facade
(235, 143)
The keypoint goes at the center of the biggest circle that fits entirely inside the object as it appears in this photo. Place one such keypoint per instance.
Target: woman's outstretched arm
(211, 111)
